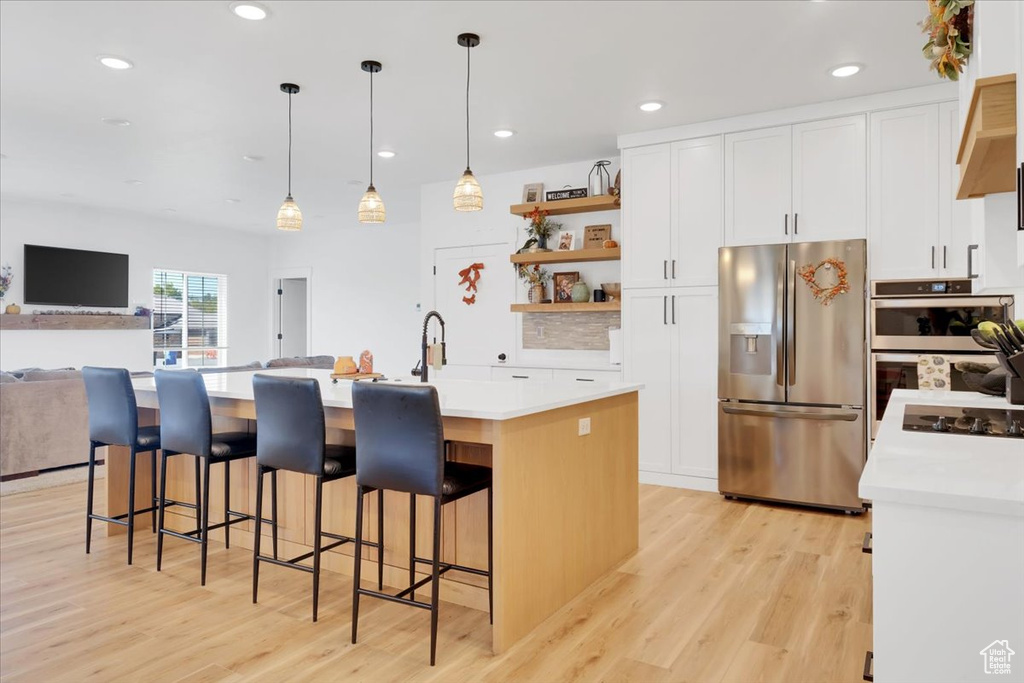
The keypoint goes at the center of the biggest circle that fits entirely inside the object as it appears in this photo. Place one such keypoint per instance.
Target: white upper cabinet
(830, 199)
(954, 214)
(696, 211)
(904, 206)
(758, 186)
(646, 224)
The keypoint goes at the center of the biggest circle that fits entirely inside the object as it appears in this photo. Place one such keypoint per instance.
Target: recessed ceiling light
(124, 123)
(253, 11)
(504, 133)
(232, 200)
(133, 182)
(386, 154)
(653, 105)
(252, 157)
(114, 62)
(845, 70)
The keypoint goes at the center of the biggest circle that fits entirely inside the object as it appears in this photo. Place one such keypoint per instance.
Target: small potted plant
(5, 283)
(537, 279)
(540, 228)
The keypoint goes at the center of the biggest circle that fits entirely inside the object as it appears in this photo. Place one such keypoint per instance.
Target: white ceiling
(567, 76)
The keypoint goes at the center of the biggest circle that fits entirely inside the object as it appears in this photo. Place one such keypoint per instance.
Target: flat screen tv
(73, 277)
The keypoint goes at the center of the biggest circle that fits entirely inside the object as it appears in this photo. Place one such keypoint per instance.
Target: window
(192, 334)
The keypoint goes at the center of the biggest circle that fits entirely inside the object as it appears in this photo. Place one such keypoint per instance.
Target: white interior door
(830, 199)
(292, 306)
(476, 333)
(758, 186)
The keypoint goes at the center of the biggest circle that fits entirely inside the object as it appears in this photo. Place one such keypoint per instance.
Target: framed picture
(566, 238)
(595, 235)
(563, 286)
(533, 192)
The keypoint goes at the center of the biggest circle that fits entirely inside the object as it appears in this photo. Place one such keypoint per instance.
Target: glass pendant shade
(468, 196)
(289, 217)
(371, 207)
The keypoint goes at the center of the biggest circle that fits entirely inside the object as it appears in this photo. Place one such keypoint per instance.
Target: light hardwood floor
(719, 591)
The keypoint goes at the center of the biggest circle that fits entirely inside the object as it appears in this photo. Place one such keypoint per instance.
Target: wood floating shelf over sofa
(988, 148)
(588, 307)
(604, 202)
(57, 321)
(572, 256)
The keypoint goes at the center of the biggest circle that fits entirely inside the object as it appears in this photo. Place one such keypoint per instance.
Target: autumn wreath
(949, 36)
(825, 295)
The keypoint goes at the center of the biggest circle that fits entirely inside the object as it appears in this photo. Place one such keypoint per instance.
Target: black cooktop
(1005, 423)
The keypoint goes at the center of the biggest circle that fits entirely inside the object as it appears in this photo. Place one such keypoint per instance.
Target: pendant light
(468, 196)
(289, 217)
(371, 206)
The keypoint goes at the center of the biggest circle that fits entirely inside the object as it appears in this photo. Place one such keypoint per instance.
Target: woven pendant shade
(371, 207)
(289, 217)
(468, 196)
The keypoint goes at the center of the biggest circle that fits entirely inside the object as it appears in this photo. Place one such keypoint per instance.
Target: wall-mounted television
(74, 277)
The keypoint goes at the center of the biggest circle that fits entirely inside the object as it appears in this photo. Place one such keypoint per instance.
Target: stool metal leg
(152, 488)
(227, 504)
(435, 583)
(163, 499)
(380, 539)
(316, 542)
(131, 503)
(490, 552)
(199, 496)
(412, 543)
(358, 562)
(273, 508)
(205, 528)
(89, 497)
(256, 540)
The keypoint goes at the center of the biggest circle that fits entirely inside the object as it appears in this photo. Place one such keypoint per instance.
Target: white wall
(442, 227)
(150, 243)
(363, 289)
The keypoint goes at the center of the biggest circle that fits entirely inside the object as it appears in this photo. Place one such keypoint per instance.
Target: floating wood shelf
(605, 202)
(591, 307)
(988, 148)
(573, 256)
(73, 322)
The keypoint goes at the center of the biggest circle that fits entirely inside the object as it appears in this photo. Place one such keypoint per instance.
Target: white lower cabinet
(670, 345)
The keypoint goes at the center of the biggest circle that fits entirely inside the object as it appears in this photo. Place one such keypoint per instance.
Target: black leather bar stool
(114, 421)
(292, 437)
(401, 446)
(186, 428)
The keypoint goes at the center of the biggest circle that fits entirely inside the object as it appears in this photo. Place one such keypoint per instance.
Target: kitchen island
(948, 545)
(565, 503)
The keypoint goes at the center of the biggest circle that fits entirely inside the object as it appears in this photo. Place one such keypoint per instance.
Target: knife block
(1015, 390)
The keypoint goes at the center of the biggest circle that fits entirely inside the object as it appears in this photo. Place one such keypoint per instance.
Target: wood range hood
(988, 148)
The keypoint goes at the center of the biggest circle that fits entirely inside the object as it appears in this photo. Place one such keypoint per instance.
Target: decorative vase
(542, 242)
(13, 309)
(580, 293)
(536, 294)
(345, 366)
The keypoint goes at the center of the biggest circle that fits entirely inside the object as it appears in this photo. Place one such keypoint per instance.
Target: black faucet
(422, 366)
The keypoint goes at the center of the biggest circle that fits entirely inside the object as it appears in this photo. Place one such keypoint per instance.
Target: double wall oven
(914, 317)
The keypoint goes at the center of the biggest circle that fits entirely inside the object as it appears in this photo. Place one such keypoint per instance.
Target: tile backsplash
(576, 331)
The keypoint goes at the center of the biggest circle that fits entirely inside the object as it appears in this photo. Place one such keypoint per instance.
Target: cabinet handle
(664, 310)
(933, 256)
(866, 548)
(869, 674)
(796, 224)
(945, 261)
(583, 379)
(785, 224)
(673, 269)
(664, 269)
(520, 377)
(673, 309)
(970, 261)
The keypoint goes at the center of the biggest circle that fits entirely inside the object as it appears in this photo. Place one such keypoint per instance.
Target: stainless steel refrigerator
(792, 372)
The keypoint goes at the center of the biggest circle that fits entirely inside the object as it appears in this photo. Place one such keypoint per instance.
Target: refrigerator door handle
(780, 316)
(792, 414)
(791, 322)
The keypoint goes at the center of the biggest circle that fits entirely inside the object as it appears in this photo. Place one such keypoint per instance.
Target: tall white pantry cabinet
(880, 167)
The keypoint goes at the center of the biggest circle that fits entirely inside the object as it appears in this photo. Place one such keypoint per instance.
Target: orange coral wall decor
(470, 277)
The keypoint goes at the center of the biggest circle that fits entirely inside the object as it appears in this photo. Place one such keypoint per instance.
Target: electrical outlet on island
(584, 426)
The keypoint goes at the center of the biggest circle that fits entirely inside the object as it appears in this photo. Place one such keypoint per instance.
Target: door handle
(792, 414)
(664, 269)
(933, 256)
(945, 261)
(673, 269)
(673, 309)
(664, 310)
(791, 333)
(796, 224)
(970, 261)
(785, 225)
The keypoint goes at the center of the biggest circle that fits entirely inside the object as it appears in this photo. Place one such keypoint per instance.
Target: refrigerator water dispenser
(750, 348)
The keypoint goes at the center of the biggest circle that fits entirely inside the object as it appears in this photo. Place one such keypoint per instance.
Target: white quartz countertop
(955, 471)
(482, 400)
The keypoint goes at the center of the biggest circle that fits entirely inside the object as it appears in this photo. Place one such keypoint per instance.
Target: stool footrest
(120, 519)
(185, 536)
(397, 598)
(445, 566)
(419, 584)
